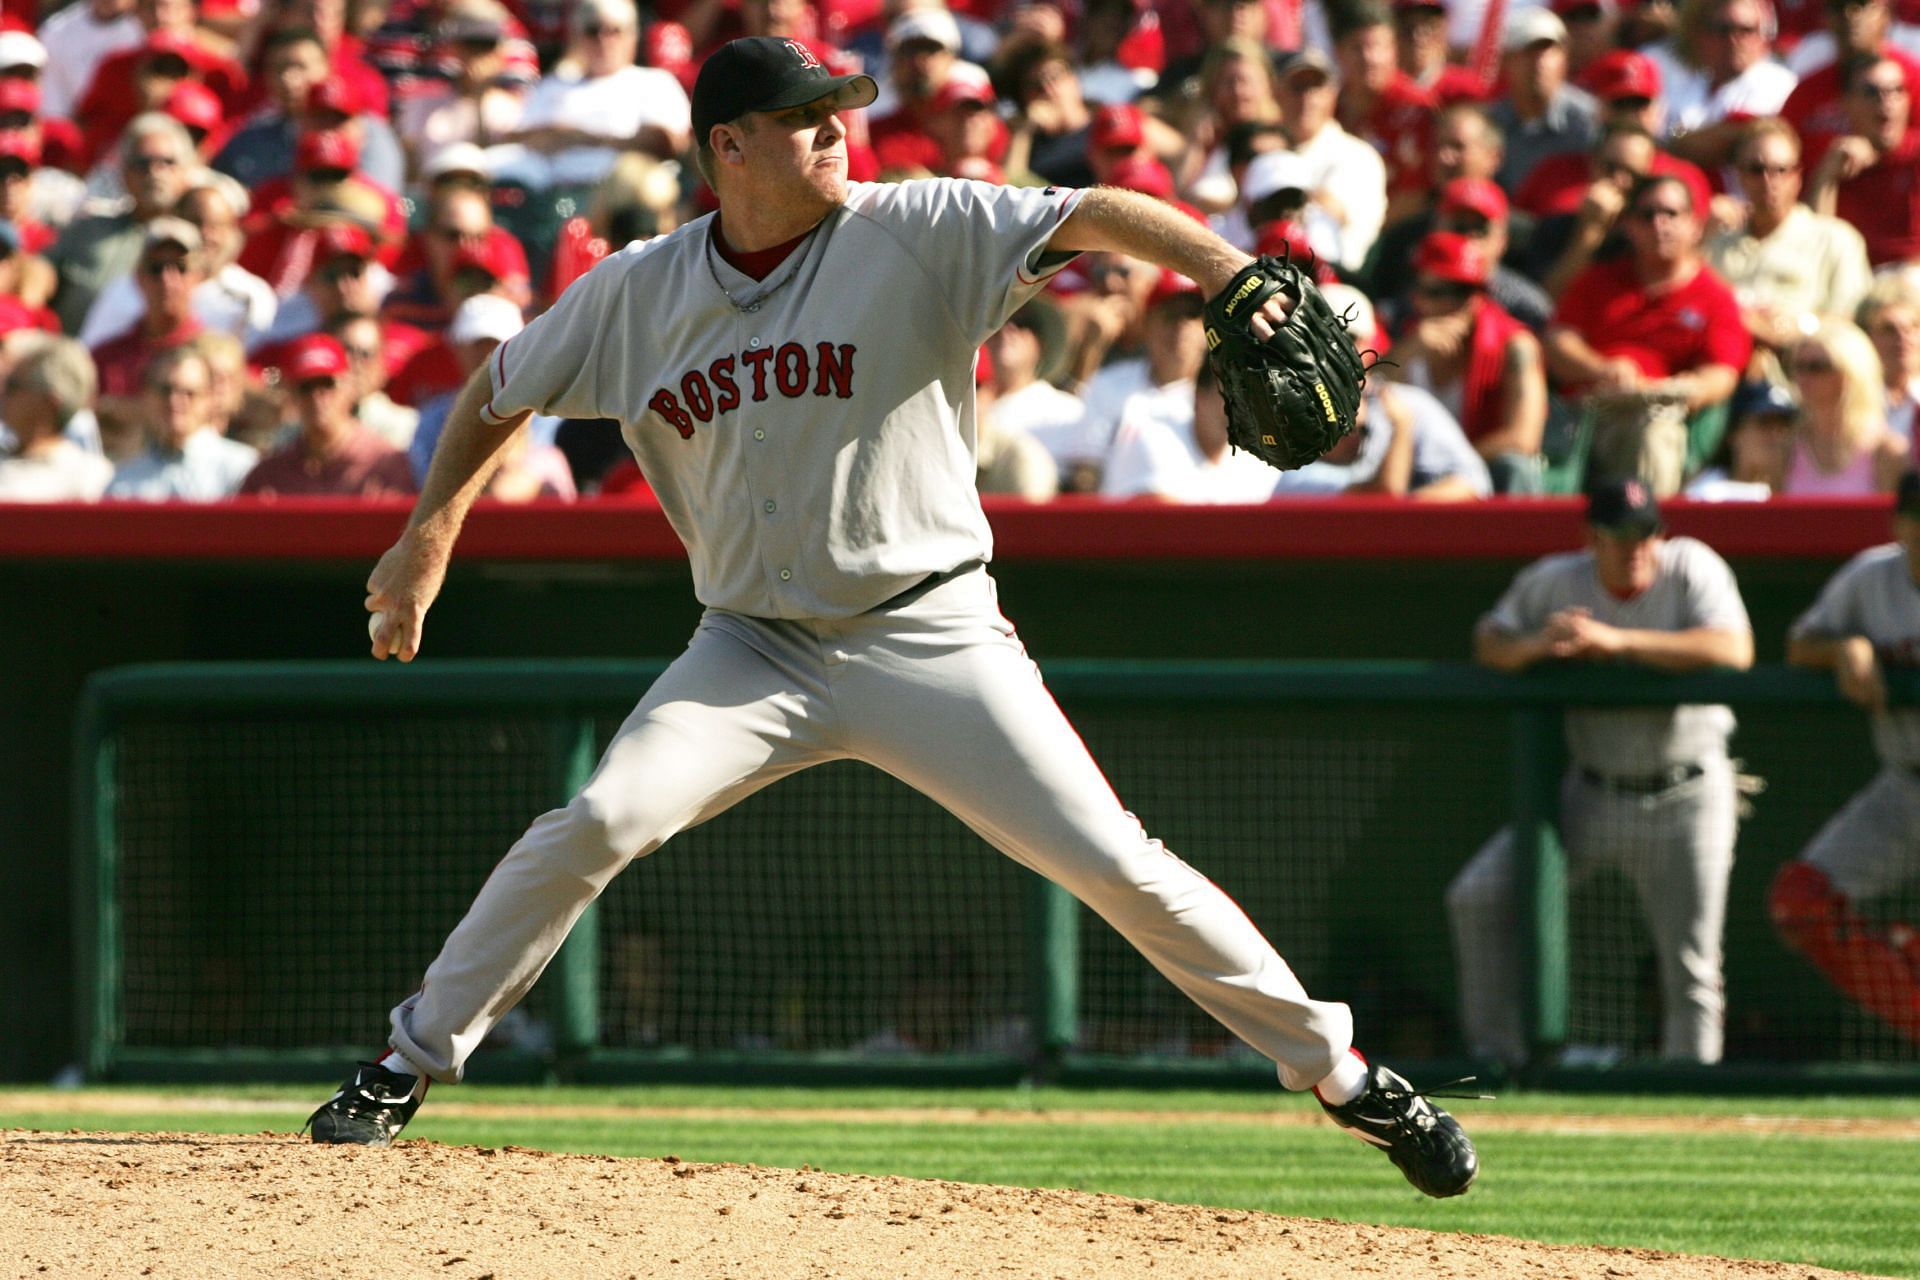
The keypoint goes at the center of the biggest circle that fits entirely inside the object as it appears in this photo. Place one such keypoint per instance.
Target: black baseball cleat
(1426, 1143)
(370, 1110)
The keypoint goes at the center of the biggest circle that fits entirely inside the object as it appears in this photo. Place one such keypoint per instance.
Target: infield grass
(1764, 1189)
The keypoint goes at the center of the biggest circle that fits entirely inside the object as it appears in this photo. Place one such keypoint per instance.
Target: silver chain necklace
(792, 268)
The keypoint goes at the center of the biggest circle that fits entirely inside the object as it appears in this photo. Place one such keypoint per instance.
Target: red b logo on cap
(805, 55)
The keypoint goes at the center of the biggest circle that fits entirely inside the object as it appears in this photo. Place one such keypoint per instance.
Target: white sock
(1347, 1080)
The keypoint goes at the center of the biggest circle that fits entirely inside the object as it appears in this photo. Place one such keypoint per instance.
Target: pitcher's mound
(205, 1207)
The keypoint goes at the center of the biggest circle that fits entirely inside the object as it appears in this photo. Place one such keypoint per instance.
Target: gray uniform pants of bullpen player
(1675, 847)
(936, 690)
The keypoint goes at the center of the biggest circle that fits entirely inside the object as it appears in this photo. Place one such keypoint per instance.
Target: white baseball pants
(1676, 847)
(938, 692)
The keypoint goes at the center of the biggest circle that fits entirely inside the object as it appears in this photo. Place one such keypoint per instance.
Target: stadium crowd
(255, 246)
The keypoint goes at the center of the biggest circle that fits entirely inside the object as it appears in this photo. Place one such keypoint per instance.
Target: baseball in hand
(374, 623)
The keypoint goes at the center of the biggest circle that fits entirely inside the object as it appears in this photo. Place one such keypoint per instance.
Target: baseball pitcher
(794, 375)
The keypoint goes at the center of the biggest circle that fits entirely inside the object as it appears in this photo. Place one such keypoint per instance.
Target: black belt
(928, 583)
(1644, 784)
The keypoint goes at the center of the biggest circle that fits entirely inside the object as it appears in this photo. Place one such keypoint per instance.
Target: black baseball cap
(1624, 508)
(1906, 496)
(768, 73)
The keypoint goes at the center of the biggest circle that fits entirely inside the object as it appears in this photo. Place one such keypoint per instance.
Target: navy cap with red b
(1624, 508)
(768, 73)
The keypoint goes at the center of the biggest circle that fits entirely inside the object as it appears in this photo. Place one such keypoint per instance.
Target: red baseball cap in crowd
(318, 355)
(1474, 195)
(1118, 125)
(668, 46)
(1621, 73)
(19, 94)
(1171, 285)
(18, 144)
(196, 106)
(489, 254)
(169, 44)
(1283, 237)
(342, 240)
(967, 89)
(336, 95)
(326, 149)
(1143, 174)
(1450, 256)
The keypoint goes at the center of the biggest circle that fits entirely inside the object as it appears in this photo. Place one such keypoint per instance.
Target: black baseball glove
(1290, 398)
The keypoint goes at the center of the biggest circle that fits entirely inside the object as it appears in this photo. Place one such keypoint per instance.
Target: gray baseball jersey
(750, 405)
(1875, 596)
(1693, 588)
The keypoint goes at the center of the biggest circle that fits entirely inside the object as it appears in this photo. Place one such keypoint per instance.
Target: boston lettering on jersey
(699, 395)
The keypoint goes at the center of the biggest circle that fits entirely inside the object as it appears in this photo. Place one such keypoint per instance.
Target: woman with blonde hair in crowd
(1238, 85)
(1890, 314)
(1842, 442)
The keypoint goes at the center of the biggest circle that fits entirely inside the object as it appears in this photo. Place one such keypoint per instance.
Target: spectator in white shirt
(1028, 348)
(1184, 458)
(1718, 74)
(597, 102)
(78, 39)
(1349, 178)
(52, 382)
(1158, 384)
(186, 460)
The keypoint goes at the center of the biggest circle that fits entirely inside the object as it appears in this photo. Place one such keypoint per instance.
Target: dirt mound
(207, 1207)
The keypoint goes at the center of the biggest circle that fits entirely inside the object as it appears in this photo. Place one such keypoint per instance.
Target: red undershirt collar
(760, 263)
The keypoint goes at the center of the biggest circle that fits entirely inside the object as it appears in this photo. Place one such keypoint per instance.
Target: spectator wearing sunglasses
(230, 300)
(334, 453)
(170, 268)
(186, 459)
(1866, 175)
(1719, 74)
(1787, 264)
(156, 163)
(1818, 107)
(1479, 362)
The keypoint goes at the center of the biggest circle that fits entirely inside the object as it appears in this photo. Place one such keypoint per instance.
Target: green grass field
(1731, 1176)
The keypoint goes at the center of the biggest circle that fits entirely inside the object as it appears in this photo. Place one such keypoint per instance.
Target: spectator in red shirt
(1817, 107)
(325, 186)
(1657, 316)
(460, 231)
(1871, 176)
(923, 47)
(1466, 144)
(1382, 105)
(334, 454)
(1476, 359)
(1420, 31)
(139, 79)
(1627, 87)
(972, 138)
(346, 52)
(169, 269)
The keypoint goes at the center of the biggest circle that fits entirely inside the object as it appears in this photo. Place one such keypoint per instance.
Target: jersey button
(768, 506)
(753, 342)
(759, 435)
(786, 575)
